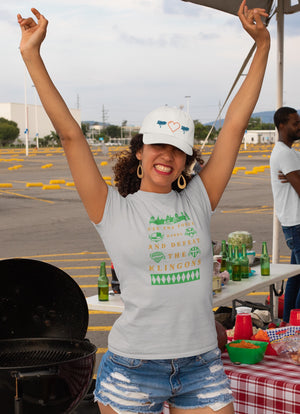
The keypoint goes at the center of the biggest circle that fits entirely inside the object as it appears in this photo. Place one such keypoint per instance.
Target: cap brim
(167, 139)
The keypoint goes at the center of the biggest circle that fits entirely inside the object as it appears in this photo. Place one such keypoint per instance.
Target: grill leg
(18, 400)
(18, 406)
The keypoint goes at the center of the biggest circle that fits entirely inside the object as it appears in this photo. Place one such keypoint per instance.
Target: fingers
(242, 6)
(29, 22)
(36, 13)
(243, 9)
(257, 17)
(40, 18)
(26, 23)
(252, 22)
(252, 16)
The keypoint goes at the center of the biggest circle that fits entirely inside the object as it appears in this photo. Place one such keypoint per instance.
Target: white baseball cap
(166, 125)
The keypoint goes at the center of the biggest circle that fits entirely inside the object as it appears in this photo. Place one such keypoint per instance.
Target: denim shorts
(142, 386)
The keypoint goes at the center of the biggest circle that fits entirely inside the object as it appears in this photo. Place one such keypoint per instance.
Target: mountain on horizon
(265, 116)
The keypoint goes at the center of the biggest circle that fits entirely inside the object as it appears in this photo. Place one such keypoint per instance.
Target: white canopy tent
(282, 7)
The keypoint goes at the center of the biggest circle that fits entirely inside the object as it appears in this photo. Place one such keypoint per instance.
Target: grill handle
(45, 373)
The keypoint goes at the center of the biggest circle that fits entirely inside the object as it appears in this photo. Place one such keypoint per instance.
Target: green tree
(113, 131)
(85, 128)
(201, 131)
(9, 131)
(267, 126)
(255, 123)
(51, 140)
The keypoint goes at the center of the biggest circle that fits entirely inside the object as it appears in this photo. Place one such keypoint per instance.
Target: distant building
(37, 119)
(259, 137)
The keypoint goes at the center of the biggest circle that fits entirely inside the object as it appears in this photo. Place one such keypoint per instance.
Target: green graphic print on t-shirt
(173, 250)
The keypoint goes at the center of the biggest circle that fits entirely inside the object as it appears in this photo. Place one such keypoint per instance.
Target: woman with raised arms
(156, 230)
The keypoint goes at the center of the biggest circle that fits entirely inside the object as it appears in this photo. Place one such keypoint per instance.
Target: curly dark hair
(282, 114)
(126, 179)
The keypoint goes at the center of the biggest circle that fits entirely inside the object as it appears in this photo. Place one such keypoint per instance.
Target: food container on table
(243, 328)
(246, 355)
(217, 284)
(237, 238)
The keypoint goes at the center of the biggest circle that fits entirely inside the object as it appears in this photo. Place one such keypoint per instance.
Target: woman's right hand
(33, 33)
(251, 20)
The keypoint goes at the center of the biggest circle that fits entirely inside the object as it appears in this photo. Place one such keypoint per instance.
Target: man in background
(285, 180)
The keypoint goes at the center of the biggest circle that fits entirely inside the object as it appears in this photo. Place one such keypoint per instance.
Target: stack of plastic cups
(294, 317)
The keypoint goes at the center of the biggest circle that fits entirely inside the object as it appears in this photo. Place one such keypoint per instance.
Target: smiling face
(162, 164)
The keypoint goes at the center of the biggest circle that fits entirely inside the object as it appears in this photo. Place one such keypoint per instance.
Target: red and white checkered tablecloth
(269, 387)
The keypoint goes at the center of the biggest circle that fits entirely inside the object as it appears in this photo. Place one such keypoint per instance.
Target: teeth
(163, 168)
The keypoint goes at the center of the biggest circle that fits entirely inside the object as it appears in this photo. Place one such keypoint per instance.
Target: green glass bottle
(244, 262)
(229, 261)
(103, 283)
(236, 267)
(224, 256)
(264, 260)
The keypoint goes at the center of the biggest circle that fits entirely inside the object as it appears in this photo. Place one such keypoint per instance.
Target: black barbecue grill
(46, 364)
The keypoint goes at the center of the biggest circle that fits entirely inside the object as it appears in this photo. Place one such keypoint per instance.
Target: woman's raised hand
(33, 33)
(253, 24)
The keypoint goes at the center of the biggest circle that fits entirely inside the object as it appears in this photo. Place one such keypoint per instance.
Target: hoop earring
(139, 171)
(181, 182)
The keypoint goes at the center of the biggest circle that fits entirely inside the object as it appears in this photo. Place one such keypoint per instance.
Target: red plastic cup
(243, 326)
(295, 317)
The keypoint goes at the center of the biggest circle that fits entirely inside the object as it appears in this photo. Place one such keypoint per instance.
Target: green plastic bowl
(247, 355)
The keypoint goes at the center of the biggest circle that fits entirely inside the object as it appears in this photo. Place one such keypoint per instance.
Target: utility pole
(26, 132)
(104, 116)
(36, 118)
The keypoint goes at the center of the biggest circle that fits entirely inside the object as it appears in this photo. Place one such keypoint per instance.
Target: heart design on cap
(174, 126)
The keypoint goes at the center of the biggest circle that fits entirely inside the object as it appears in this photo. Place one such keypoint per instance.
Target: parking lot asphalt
(51, 224)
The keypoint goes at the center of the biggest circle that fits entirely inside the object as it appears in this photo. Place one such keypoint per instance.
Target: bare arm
(217, 171)
(293, 178)
(90, 185)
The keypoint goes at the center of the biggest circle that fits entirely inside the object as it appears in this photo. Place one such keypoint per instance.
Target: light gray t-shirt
(161, 249)
(286, 199)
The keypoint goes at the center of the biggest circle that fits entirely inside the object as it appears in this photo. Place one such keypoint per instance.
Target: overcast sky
(131, 56)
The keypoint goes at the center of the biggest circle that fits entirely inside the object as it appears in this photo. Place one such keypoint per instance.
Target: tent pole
(280, 43)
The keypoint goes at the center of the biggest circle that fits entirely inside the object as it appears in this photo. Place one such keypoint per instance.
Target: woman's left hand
(251, 20)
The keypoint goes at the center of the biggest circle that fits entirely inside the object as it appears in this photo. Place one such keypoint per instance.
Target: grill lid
(39, 300)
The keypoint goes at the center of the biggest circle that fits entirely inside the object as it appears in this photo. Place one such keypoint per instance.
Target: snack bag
(278, 334)
(262, 335)
(286, 342)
